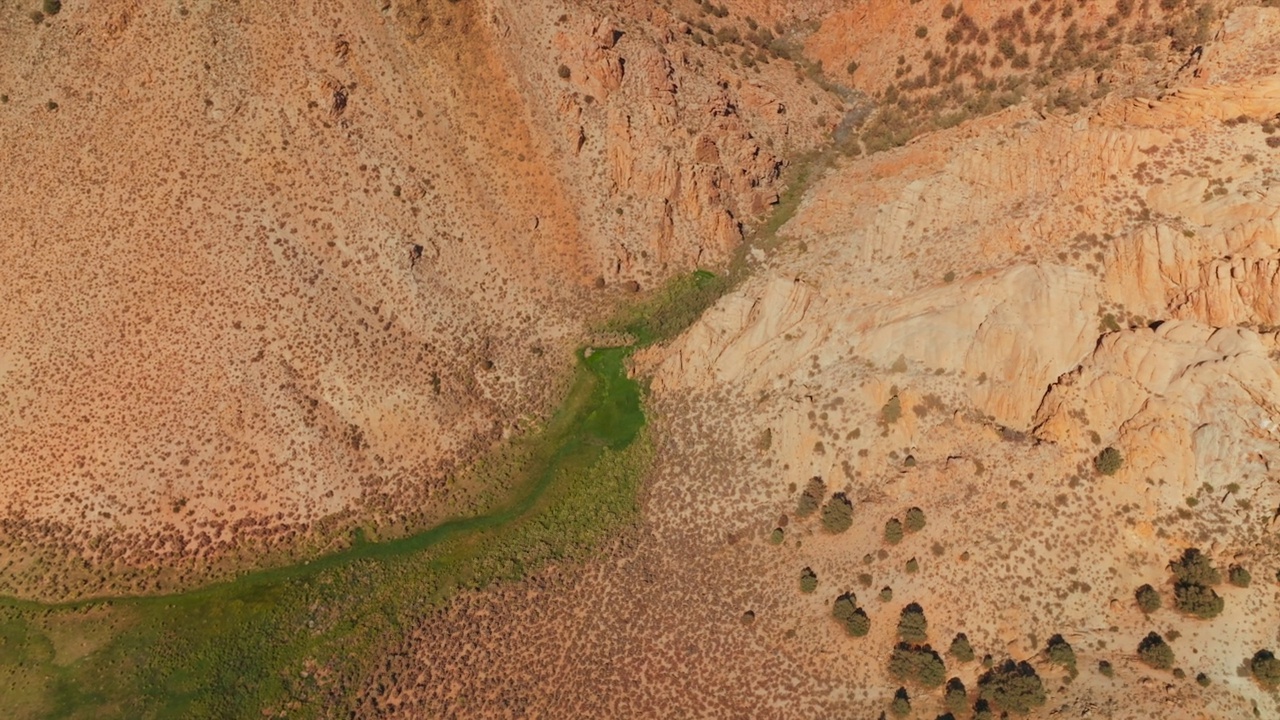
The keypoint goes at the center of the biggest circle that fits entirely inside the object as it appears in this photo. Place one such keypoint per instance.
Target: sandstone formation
(961, 325)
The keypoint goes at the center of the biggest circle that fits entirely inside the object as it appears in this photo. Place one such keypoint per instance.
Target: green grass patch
(298, 640)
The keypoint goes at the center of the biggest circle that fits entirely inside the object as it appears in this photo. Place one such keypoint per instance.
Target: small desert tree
(1239, 577)
(912, 625)
(811, 497)
(915, 520)
(957, 697)
(1196, 568)
(837, 515)
(808, 580)
(893, 531)
(1198, 600)
(1060, 652)
(1155, 652)
(901, 705)
(917, 663)
(853, 618)
(1109, 461)
(961, 649)
(1266, 669)
(1012, 686)
(1148, 599)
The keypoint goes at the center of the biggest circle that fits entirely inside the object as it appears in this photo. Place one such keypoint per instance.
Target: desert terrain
(971, 411)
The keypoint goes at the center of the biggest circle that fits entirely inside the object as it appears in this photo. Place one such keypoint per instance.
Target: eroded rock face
(265, 265)
(1189, 403)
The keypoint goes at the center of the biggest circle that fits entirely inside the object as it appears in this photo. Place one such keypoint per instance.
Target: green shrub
(776, 537)
(1148, 599)
(922, 32)
(853, 618)
(886, 594)
(1060, 652)
(837, 514)
(961, 649)
(912, 625)
(913, 566)
(811, 498)
(1197, 600)
(982, 711)
(808, 580)
(901, 705)
(957, 697)
(1109, 461)
(1239, 577)
(1155, 652)
(893, 531)
(1194, 567)
(1105, 668)
(915, 520)
(564, 72)
(1202, 680)
(918, 664)
(1266, 668)
(52, 7)
(1012, 686)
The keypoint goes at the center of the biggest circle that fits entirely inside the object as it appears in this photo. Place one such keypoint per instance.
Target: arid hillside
(266, 266)
(948, 449)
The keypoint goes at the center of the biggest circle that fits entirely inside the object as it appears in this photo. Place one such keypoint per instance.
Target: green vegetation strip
(297, 641)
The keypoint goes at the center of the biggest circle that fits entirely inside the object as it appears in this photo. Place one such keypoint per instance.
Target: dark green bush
(1155, 652)
(853, 618)
(957, 697)
(1105, 668)
(1239, 577)
(1266, 668)
(1202, 680)
(776, 537)
(1012, 686)
(1194, 567)
(918, 664)
(1109, 461)
(1148, 599)
(901, 705)
(1197, 600)
(837, 514)
(915, 520)
(808, 580)
(811, 498)
(52, 7)
(961, 649)
(912, 625)
(893, 531)
(1060, 652)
